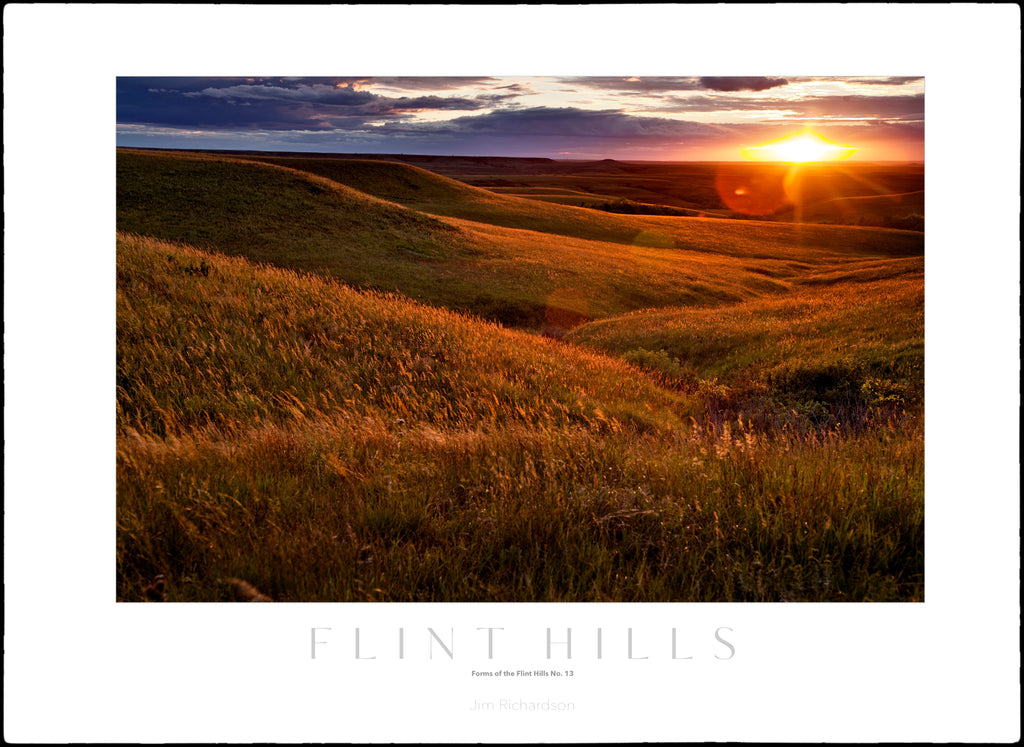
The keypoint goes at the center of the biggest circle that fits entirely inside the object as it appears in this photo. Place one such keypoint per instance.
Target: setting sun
(806, 146)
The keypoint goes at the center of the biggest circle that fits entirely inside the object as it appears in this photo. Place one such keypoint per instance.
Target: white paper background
(79, 667)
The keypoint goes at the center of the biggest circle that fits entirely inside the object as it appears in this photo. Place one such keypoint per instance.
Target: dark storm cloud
(268, 103)
(732, 84)
(426, 103)
(352, 114)
(567, 122)
(227, 103)
(127, 86)
(367, 103)
(536, 131)
(303, 93)
(179, 111)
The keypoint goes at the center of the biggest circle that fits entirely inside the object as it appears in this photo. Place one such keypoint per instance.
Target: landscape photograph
(520, 339)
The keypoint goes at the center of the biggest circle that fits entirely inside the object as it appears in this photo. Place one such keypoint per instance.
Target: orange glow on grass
(806, 146)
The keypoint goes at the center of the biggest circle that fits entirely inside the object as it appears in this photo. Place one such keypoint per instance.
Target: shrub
(630, 207)
(912, 222)
(883, 393)
(669, 369)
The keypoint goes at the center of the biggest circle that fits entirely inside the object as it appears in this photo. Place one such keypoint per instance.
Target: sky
(626, 118)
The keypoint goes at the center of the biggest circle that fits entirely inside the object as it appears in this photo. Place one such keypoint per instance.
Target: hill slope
(327, 444)
(527, 278)
(832, 348)
(439, 195)
(214, 340)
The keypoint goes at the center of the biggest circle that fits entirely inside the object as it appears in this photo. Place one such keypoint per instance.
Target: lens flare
(752, 190)
(806, 146)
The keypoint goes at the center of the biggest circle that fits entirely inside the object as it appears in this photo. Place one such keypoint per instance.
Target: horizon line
(522, 158)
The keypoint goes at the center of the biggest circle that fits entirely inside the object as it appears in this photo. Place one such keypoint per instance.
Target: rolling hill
(822, 189)
(398, 228)
(305, 406)
(326, 444)
(431, 193)
(833, 348)
(298, 220)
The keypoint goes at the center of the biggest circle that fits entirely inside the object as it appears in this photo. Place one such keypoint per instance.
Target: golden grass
(431, 193)
(506, 259)
(325, 444)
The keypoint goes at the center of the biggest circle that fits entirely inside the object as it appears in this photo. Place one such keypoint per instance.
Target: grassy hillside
(269, 213)
(696, 187)
(853, 193)
(207, 338)
(327, 444)
(525, 278)
(837, 345)
(904, 211)
(438, 195)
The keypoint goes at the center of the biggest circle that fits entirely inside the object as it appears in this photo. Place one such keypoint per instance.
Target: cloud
(496, 98)
(572, 123)
(363, 114)
(722, 84)
(732, 84)
(719, 104)
(271, 103)
(538, 131)
(431, 103)
(876, 107)
(635, 84)
(317, 93)
(910, 107)
(426, 83)
(882, 81)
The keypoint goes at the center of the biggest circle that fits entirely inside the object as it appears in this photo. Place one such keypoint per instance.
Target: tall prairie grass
(329, 444)
(839, 347)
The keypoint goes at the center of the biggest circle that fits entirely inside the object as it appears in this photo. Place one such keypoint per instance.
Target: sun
(806, 146)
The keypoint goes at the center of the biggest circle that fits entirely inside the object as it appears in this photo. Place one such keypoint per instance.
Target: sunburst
(805, 146)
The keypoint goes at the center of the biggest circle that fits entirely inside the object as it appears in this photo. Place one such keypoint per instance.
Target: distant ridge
(463, 165)
(466, 164)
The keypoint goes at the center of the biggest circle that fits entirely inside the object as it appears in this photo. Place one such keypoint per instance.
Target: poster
(80, 667)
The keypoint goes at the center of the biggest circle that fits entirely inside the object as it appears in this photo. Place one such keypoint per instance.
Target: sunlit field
(362, 380)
